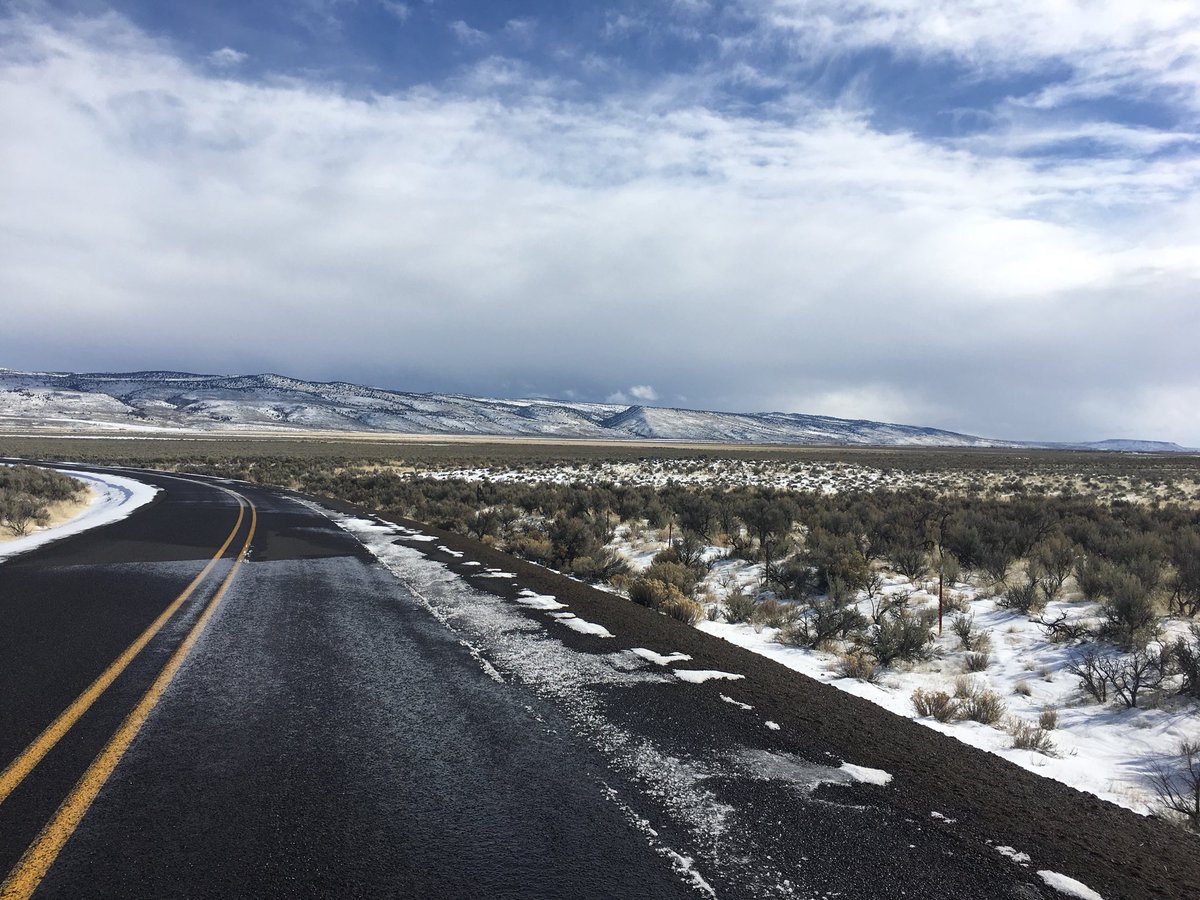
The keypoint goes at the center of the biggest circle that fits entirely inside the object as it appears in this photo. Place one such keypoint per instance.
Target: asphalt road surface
(228, 695)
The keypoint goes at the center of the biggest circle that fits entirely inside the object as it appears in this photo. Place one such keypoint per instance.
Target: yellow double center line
(29, 871)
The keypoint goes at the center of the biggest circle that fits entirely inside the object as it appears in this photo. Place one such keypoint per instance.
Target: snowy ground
(1105, 750)
(113, 498)
(822, 476)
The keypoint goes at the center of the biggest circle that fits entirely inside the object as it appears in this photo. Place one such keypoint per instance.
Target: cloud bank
(500, 234)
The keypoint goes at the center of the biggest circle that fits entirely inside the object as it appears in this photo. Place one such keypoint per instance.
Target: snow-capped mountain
(158, 401)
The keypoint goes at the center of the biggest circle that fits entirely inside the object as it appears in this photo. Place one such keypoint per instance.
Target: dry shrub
(772, 614)
(977, 703)
(857, 664)
(938, 704)
(1027, 736)
(683, 609)
(653, 593)
(1048, 720)
(739, 607)
(976, 662)
(1022, 688)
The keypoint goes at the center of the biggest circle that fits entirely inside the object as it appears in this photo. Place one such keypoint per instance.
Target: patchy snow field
(821, 476)
(1105, 750)
(113, 498)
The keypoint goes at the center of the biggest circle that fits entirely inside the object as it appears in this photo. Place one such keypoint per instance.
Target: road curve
(353, 724)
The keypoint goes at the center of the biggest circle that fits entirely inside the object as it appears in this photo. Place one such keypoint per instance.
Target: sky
(979, 215)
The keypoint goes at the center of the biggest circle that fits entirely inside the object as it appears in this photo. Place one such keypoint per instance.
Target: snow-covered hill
(156, 401)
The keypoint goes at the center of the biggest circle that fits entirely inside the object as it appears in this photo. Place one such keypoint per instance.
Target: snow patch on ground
(1068, 886)
(1104, 750)
(534, 600)
(659, 659)
(699, 676)
(774, 726)
(1014, 854)
(114, 497)
(685, 866)
(575, 623)
(867, 775)
(738, 703)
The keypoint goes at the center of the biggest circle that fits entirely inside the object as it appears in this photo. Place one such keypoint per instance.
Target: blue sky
(967, 214)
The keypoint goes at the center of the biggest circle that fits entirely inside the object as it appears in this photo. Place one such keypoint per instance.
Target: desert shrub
(532, 546)
(836, 556)
(953, 601)
(900, 637)
(1128, 611)
(860, 665)
(684, 609)
(1092, 677)
(820, 621)
(19, 513)
(673, 573)
(1130, 676)
(963, 627)
(949, 568)
(1185, 658)
(690, 550)
(1048, 719)
(1051, 563)
(1177, 784)
(652, 593)
(771, 613)
(1185, 582)
(1027, 736)
(739, 607)
(1063, 629)
(908, 557)
(978, 703)
(1093, 575)
(604, 565)
(1022, 597)
(976, 662)
(26, 493)
(937, 704)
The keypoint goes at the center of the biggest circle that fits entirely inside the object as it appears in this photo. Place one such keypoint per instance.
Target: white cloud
(449, 240)
(226, 58)
(644, 393)
(465, 34)
(1112, 46)
(400, 10)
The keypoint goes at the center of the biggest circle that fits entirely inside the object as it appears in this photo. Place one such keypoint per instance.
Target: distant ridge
(161, 401)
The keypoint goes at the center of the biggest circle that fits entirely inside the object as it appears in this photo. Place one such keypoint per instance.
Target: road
(249, 703)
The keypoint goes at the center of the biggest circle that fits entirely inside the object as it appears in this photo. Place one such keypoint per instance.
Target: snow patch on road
(115, 497)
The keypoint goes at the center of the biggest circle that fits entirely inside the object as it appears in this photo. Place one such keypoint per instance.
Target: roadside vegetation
(1043, 597)
(27, 494)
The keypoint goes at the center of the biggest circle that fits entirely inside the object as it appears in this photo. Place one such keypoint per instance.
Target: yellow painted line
(19, 768)
(33, 865)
